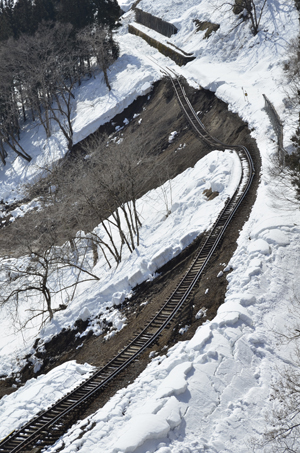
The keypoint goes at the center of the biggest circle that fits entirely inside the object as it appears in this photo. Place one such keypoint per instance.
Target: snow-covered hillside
(212, 393)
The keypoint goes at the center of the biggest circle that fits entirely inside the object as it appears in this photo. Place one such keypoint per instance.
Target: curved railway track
(49, 425)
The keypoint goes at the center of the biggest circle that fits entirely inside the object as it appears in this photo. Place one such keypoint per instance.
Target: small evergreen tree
(44, 10)
(107, 12)
(23, 15)
(293, 160)
(79, 13)
(8, 20)
(5, 26)
(292, 70)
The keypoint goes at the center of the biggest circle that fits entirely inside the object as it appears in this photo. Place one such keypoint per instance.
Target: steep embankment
(153, 135)
(158, 115)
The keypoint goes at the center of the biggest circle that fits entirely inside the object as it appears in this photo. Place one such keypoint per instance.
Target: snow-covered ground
(162, 236)
(212, 393)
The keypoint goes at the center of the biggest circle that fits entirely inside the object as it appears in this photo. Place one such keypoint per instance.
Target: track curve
(49, 425)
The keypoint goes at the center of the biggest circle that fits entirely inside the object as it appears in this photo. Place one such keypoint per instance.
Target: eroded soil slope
(159, 115)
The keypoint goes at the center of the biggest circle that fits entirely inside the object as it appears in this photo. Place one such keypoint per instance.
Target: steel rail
(49, 425)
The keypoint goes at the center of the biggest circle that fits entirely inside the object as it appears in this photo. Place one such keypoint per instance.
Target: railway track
(52, 423)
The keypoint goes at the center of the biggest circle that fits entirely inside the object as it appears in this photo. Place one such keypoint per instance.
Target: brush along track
(51, 424)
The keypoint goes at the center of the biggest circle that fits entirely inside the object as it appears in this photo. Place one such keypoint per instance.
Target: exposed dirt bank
(159, 115)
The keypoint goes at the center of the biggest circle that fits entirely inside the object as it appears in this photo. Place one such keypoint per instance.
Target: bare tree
(100, 43)
(281, 188)
(282, 430)
(98, 193)
(122, 171)
(9, 114)
(9, 135)
(3, 152)
(292, 91)
(246, 10)
(284, 420)
(101, 191)
(292, 75)
(38, 75)
(50, 68)
(44, 273)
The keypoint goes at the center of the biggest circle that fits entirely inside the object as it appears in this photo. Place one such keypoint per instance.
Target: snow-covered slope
(211, 393)
(162, 237)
